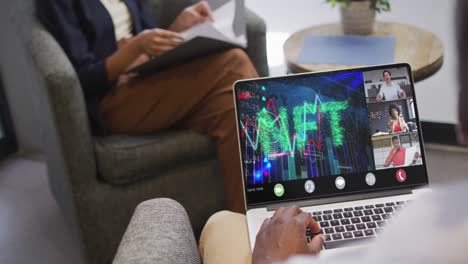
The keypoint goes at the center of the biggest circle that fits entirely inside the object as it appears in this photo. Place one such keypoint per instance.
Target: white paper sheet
(380, 134)
(221, 28)
(409, 155)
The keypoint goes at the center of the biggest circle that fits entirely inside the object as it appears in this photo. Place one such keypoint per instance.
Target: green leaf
(333, 3)
(380, 5)
(387, 7)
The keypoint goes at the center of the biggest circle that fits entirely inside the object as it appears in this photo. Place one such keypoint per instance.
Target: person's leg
(225, 239)
(215, 116)
(196, 95)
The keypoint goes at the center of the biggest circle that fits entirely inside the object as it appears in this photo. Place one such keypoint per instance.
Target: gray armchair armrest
(159, 232)
(256, 39)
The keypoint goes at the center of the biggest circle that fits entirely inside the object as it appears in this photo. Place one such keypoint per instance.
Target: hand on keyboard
(284, 235)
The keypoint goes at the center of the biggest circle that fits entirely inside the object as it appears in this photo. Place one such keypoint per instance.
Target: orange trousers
(195, 95)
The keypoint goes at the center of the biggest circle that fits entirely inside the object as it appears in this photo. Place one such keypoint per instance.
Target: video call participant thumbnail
(396, 123)
(397, 154)
(390, 90)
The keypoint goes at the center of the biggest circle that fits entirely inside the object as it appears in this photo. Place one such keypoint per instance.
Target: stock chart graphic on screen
(298, 128)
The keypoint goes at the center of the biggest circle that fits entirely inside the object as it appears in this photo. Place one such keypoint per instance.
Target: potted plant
(358, 16)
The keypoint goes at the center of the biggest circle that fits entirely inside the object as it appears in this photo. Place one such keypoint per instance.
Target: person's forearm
(403, 124)
(122, 58)
(389, 159)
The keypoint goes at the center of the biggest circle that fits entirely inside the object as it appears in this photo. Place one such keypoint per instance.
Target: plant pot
(357, 18)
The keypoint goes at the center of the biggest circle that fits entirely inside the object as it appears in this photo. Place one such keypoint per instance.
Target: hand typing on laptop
(284, 235)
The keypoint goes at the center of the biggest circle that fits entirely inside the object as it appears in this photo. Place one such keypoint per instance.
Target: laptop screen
(330, 133)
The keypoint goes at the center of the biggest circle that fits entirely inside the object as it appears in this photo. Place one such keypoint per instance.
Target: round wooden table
(421, 49)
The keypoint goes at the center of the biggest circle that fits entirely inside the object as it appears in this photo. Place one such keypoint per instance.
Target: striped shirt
(121, 18)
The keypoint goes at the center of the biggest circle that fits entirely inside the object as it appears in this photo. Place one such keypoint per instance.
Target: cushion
(125, 159)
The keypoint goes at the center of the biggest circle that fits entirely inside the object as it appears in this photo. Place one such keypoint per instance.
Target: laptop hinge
(347, 198)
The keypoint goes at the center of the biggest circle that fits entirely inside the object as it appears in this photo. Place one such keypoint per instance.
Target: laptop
(319, 141)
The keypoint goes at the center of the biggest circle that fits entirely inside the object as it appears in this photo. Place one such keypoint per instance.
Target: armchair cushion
(159, 232)
(125, 159)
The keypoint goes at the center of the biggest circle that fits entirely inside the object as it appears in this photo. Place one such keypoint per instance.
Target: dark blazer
(85, 31)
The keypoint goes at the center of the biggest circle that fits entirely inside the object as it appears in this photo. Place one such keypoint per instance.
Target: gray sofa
(98, 182)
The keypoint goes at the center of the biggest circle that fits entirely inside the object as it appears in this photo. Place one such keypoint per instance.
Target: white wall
(377, 75)
(286, 17)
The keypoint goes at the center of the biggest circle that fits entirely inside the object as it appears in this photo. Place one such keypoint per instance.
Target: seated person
(397, 123)
(397, 154)
(390, 90)
(104, 38)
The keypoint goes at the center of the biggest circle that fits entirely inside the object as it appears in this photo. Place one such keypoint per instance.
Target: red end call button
(401, 175)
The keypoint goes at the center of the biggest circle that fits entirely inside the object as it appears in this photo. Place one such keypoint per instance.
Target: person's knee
(237, 54)
(220, 221)
(238, 60)
(241, 63)
(223, 216)
(225, 239)
(235, 61)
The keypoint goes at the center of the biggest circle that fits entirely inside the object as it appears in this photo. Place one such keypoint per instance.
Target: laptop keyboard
(343, 226)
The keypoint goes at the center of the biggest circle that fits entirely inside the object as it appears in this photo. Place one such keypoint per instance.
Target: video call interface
(334, 124)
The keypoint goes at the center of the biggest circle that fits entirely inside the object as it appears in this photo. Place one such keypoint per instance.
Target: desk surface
(421, 49)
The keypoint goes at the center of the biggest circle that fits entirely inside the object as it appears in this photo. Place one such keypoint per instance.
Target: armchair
(98, 181)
